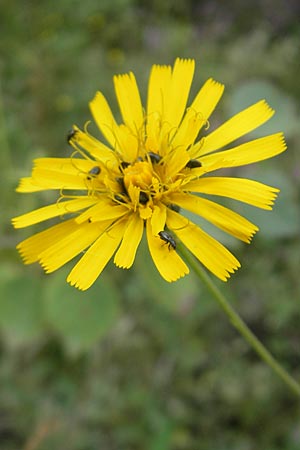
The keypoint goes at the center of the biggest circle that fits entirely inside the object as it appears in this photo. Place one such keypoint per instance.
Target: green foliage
(21, 315)
(81, 319)
(135, 362)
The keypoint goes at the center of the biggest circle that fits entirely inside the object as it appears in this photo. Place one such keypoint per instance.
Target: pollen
(139, 174)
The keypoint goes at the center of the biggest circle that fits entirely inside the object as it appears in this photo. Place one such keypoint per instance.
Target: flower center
(139, 174)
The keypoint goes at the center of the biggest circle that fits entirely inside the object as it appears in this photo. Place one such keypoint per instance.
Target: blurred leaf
(21, 309)
(81, 318)
(284, 220)
(286, 118)
(175, 297)
(161, 439)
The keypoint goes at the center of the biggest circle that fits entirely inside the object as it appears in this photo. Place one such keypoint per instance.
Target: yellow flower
(154, 165)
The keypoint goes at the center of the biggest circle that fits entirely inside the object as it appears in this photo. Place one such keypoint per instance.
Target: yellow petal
(64, 165)
(188, 130)
(103, 210)
(48, 212)
(87, 270)
(27, 184)
(207, 99)
(247, 191)
(94, 147)
(207, 165)
(70, 245)
(128, 143)
(198, 113)
(250, 152)
(178, 91)
(175, 161)
(222, 217)
(159, 81)
(158, 219)
(239, 125)
(31, 247)
(69, 166)
(129, 101)
(132, 237)
(104, 118)
(210, 252)
(167, 261)
(52, 179)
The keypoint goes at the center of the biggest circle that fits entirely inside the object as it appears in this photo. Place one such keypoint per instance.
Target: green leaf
(81, 318)
(21, 309)
(178, 297)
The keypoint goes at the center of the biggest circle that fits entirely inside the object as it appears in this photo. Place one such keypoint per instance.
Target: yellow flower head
(154, 165)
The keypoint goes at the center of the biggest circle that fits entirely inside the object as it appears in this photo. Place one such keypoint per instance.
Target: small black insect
(154, 157)
(168, 238)
(143, 199)
(120, 180)
(124, 164)
(95, 170)
(70, 135)
(193, 163)
(119, 198)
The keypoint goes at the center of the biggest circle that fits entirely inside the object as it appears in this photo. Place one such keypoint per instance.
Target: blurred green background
(136, 363)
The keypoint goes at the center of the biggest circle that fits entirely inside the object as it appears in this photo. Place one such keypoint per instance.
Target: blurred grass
(136, 363)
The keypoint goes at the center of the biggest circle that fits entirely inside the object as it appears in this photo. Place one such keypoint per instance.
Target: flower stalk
(238, 322)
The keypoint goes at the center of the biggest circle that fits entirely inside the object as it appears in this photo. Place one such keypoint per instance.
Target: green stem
(238, 322)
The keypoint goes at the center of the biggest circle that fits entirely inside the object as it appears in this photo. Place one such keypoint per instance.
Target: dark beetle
(124, 164)
(143, 198)
(154, 157)
(168, 239)
(95, 170)
(193, 164)
(70, 135)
